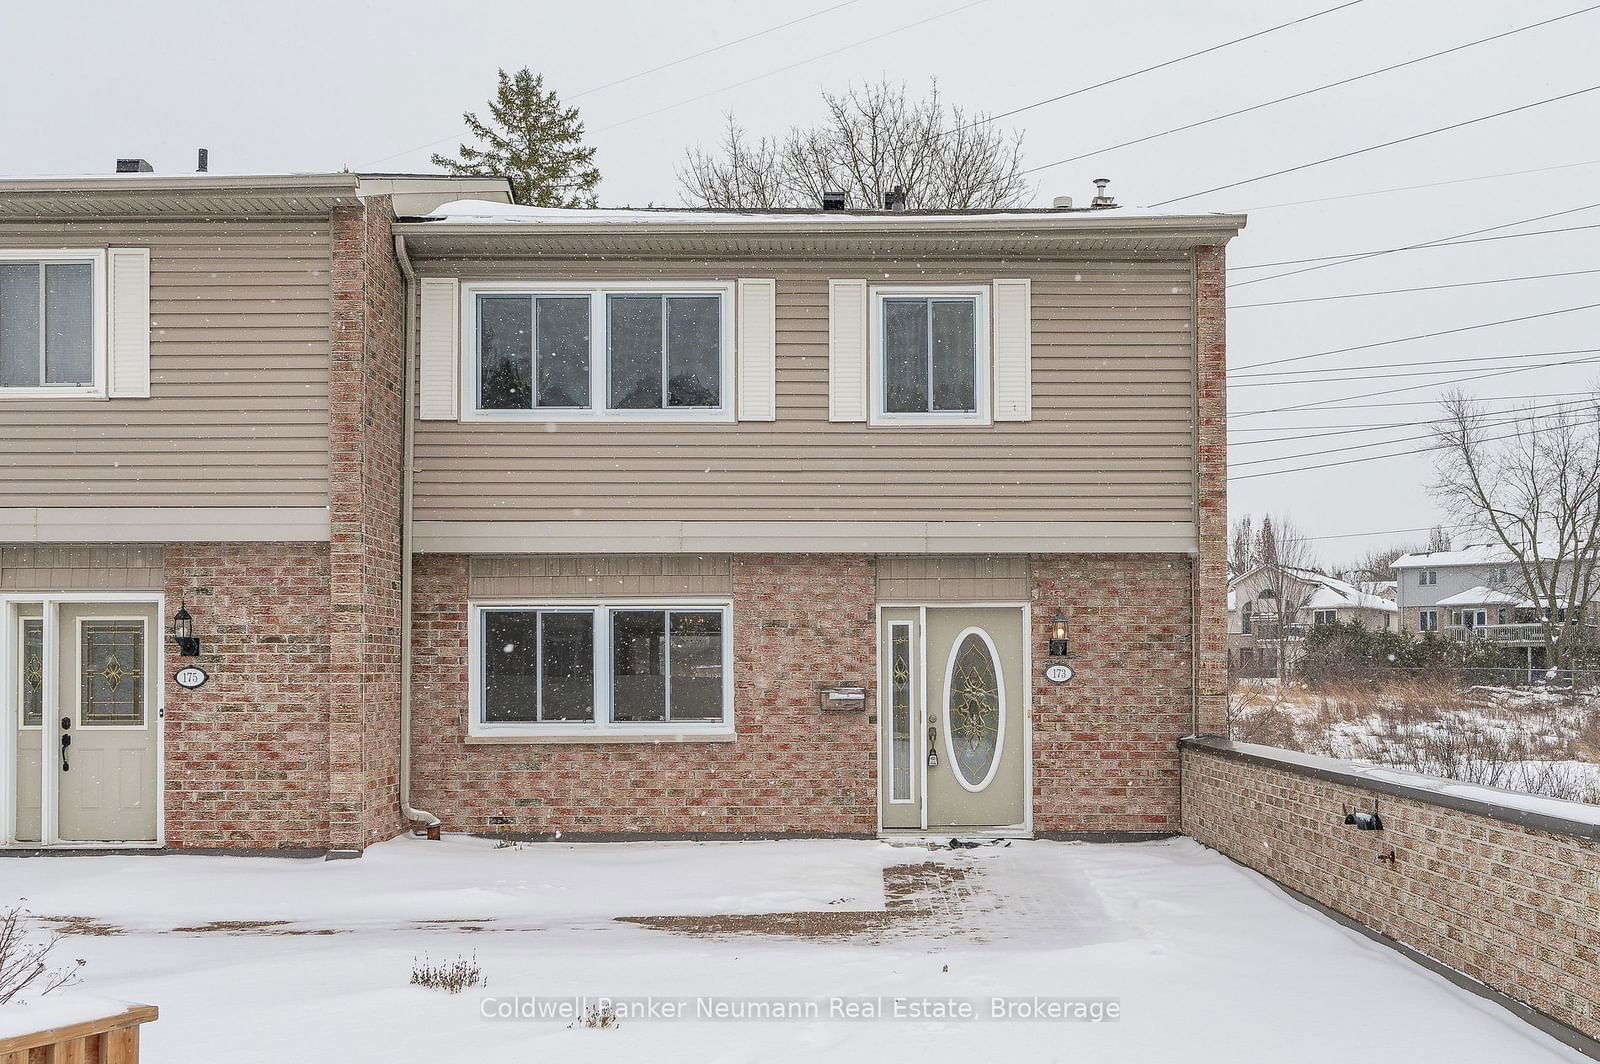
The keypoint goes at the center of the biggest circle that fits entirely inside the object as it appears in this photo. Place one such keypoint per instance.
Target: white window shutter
(847, 350)
(128, 323)
(758, 343)
(439, 344)
(1013, 350)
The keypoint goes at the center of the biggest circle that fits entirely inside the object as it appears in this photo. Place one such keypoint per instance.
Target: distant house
(1270, 609)
(1475, 593)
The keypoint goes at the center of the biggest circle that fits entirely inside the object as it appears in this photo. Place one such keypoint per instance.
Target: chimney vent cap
(1062, 203)
(134, 166)
(833, 201)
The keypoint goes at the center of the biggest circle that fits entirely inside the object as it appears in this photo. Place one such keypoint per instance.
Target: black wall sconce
(1060, 646)
(183, 633)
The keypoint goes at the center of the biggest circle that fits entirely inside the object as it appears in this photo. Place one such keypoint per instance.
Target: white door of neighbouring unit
(85, 714)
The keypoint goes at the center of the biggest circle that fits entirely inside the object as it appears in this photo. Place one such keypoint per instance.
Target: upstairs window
(930, 356)
(47, 323)
(619, 352)
(1427, 577)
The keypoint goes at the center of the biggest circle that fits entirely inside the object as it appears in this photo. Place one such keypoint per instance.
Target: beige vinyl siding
(921, 578)
(60, 568)
(1111, 438)
(542, 578)
(238, 407)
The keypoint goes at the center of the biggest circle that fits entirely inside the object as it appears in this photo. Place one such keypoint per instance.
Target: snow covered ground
(275, 960)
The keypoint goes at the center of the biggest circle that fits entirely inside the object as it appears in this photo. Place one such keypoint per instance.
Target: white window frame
(96, 388)
(599, 350)
(1318, 615)
(1427, 578)
(983, 414)
(602, 727)
(1427, 620)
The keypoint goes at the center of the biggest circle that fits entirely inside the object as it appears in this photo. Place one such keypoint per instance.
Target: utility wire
(1404, 291)
(1385, 406)
(1418, 336)
(1414, 387)
(1418, 188)
(1381, 443)
(1314, 376)
(1309, 92)
(1375, 147)
(643, 73)
(1358, 461)
(784, 69)
(1348, 430)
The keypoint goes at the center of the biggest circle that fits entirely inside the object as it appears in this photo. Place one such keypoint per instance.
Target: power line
(1380, 443)
(1436, 242)
(1376, 147)
(1418, 336)
(1385, 406)
(1404, 291)
(1308, 92)
(1390, 426)
(1149, 69)
(1383, 532)
(1318, 376)
(791, 66)
(643, 73)
(1330, 403)
(1358, 461)
(1418, 188)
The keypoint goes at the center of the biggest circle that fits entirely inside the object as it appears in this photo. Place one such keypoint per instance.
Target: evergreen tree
(532, 140)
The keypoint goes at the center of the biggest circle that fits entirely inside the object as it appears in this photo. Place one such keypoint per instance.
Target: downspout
(408, 435)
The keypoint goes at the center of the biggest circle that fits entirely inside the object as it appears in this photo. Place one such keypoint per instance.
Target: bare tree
(1377, 566)
(873, 140)
(1533, 491)
(1244, 549)
(1285, 555)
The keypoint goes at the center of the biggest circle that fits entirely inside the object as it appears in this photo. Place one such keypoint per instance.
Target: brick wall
(247, 754)
(366, 414)
(1211, 497)
(1513, 906)
(1105, 754)
(799, 620)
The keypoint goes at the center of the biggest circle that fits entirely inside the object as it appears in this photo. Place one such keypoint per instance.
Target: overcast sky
(297, 86)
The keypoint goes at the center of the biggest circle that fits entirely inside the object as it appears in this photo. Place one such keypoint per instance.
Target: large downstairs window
(621, 670)
(627, 352)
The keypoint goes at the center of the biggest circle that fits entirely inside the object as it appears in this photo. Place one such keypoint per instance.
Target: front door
(90, 739)
(953, 717)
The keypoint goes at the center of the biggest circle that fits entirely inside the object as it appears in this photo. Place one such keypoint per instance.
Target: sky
(302, 86)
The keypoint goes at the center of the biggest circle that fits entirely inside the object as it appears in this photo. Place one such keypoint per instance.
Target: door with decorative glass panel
(953, 710)
(89, 740)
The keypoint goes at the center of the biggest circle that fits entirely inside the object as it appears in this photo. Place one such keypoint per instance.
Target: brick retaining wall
(1505, 895)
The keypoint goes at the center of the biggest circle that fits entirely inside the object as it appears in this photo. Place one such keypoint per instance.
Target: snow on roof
(1475, 554)
(1483, 596)
(484, 212)
(1331, 593)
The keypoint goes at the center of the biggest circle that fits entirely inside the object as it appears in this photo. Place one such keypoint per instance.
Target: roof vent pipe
(1102, 198)
(134, 166)
(895, 199)
(833, 201)
(1062, 203)
(203, 161)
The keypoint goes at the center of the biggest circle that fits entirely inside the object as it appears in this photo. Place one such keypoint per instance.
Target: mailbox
(844, 699)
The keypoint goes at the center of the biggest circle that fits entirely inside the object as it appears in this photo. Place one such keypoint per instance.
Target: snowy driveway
(307, 960)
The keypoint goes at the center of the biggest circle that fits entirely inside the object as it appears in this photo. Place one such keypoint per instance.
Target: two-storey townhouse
(1270, 609)
(813, 522)
(201, 409)
(1477, 593)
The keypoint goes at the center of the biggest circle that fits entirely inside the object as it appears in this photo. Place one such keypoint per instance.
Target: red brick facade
(1211, 498)
(247, 754)
(799, 620)
(1105, 755)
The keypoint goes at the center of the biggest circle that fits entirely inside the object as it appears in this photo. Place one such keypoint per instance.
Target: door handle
(66, 741)
(933, 746)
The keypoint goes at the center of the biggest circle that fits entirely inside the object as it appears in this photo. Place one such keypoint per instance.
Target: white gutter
(407, 810)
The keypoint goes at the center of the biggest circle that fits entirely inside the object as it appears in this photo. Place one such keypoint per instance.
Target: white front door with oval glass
(953, 718)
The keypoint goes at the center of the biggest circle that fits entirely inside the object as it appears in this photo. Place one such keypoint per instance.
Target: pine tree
(532, 140)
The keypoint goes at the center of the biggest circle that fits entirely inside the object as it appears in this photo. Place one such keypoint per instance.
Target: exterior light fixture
(183, 633)
(1060, 646)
